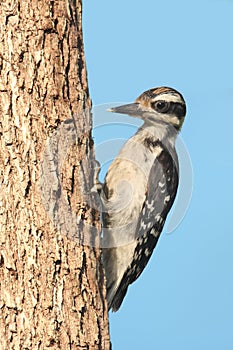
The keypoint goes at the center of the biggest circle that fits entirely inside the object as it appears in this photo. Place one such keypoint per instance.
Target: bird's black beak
(132, 109)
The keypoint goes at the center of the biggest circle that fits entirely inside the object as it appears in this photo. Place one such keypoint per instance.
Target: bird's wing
(161, 192)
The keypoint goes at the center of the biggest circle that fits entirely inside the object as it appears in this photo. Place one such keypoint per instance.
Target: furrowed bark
(52, 292)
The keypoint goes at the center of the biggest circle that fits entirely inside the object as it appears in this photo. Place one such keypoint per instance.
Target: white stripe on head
(168, 97)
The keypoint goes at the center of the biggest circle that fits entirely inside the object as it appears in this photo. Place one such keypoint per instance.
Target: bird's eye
(161, 106)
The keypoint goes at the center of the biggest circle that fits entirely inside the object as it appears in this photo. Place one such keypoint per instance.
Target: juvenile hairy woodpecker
(140, 188)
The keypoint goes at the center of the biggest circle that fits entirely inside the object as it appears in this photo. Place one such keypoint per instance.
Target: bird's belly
(127, 196)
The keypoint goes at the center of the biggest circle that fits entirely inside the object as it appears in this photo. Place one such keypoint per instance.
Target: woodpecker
(139, 189)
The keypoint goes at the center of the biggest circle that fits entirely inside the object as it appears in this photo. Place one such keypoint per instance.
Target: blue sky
(184, 298)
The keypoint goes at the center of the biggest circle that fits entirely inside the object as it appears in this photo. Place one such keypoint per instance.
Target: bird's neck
(161, 131)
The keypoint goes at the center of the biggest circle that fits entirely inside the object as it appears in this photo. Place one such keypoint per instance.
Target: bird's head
(159, 105)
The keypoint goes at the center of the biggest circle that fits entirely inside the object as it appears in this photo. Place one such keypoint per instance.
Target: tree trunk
(51, 280)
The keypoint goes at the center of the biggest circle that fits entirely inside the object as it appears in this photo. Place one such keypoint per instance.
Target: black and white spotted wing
(161, 192)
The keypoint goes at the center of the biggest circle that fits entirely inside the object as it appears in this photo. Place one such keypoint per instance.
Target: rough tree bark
(51, 285)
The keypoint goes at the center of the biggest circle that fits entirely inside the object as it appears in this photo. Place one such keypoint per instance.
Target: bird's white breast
(127, 184)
